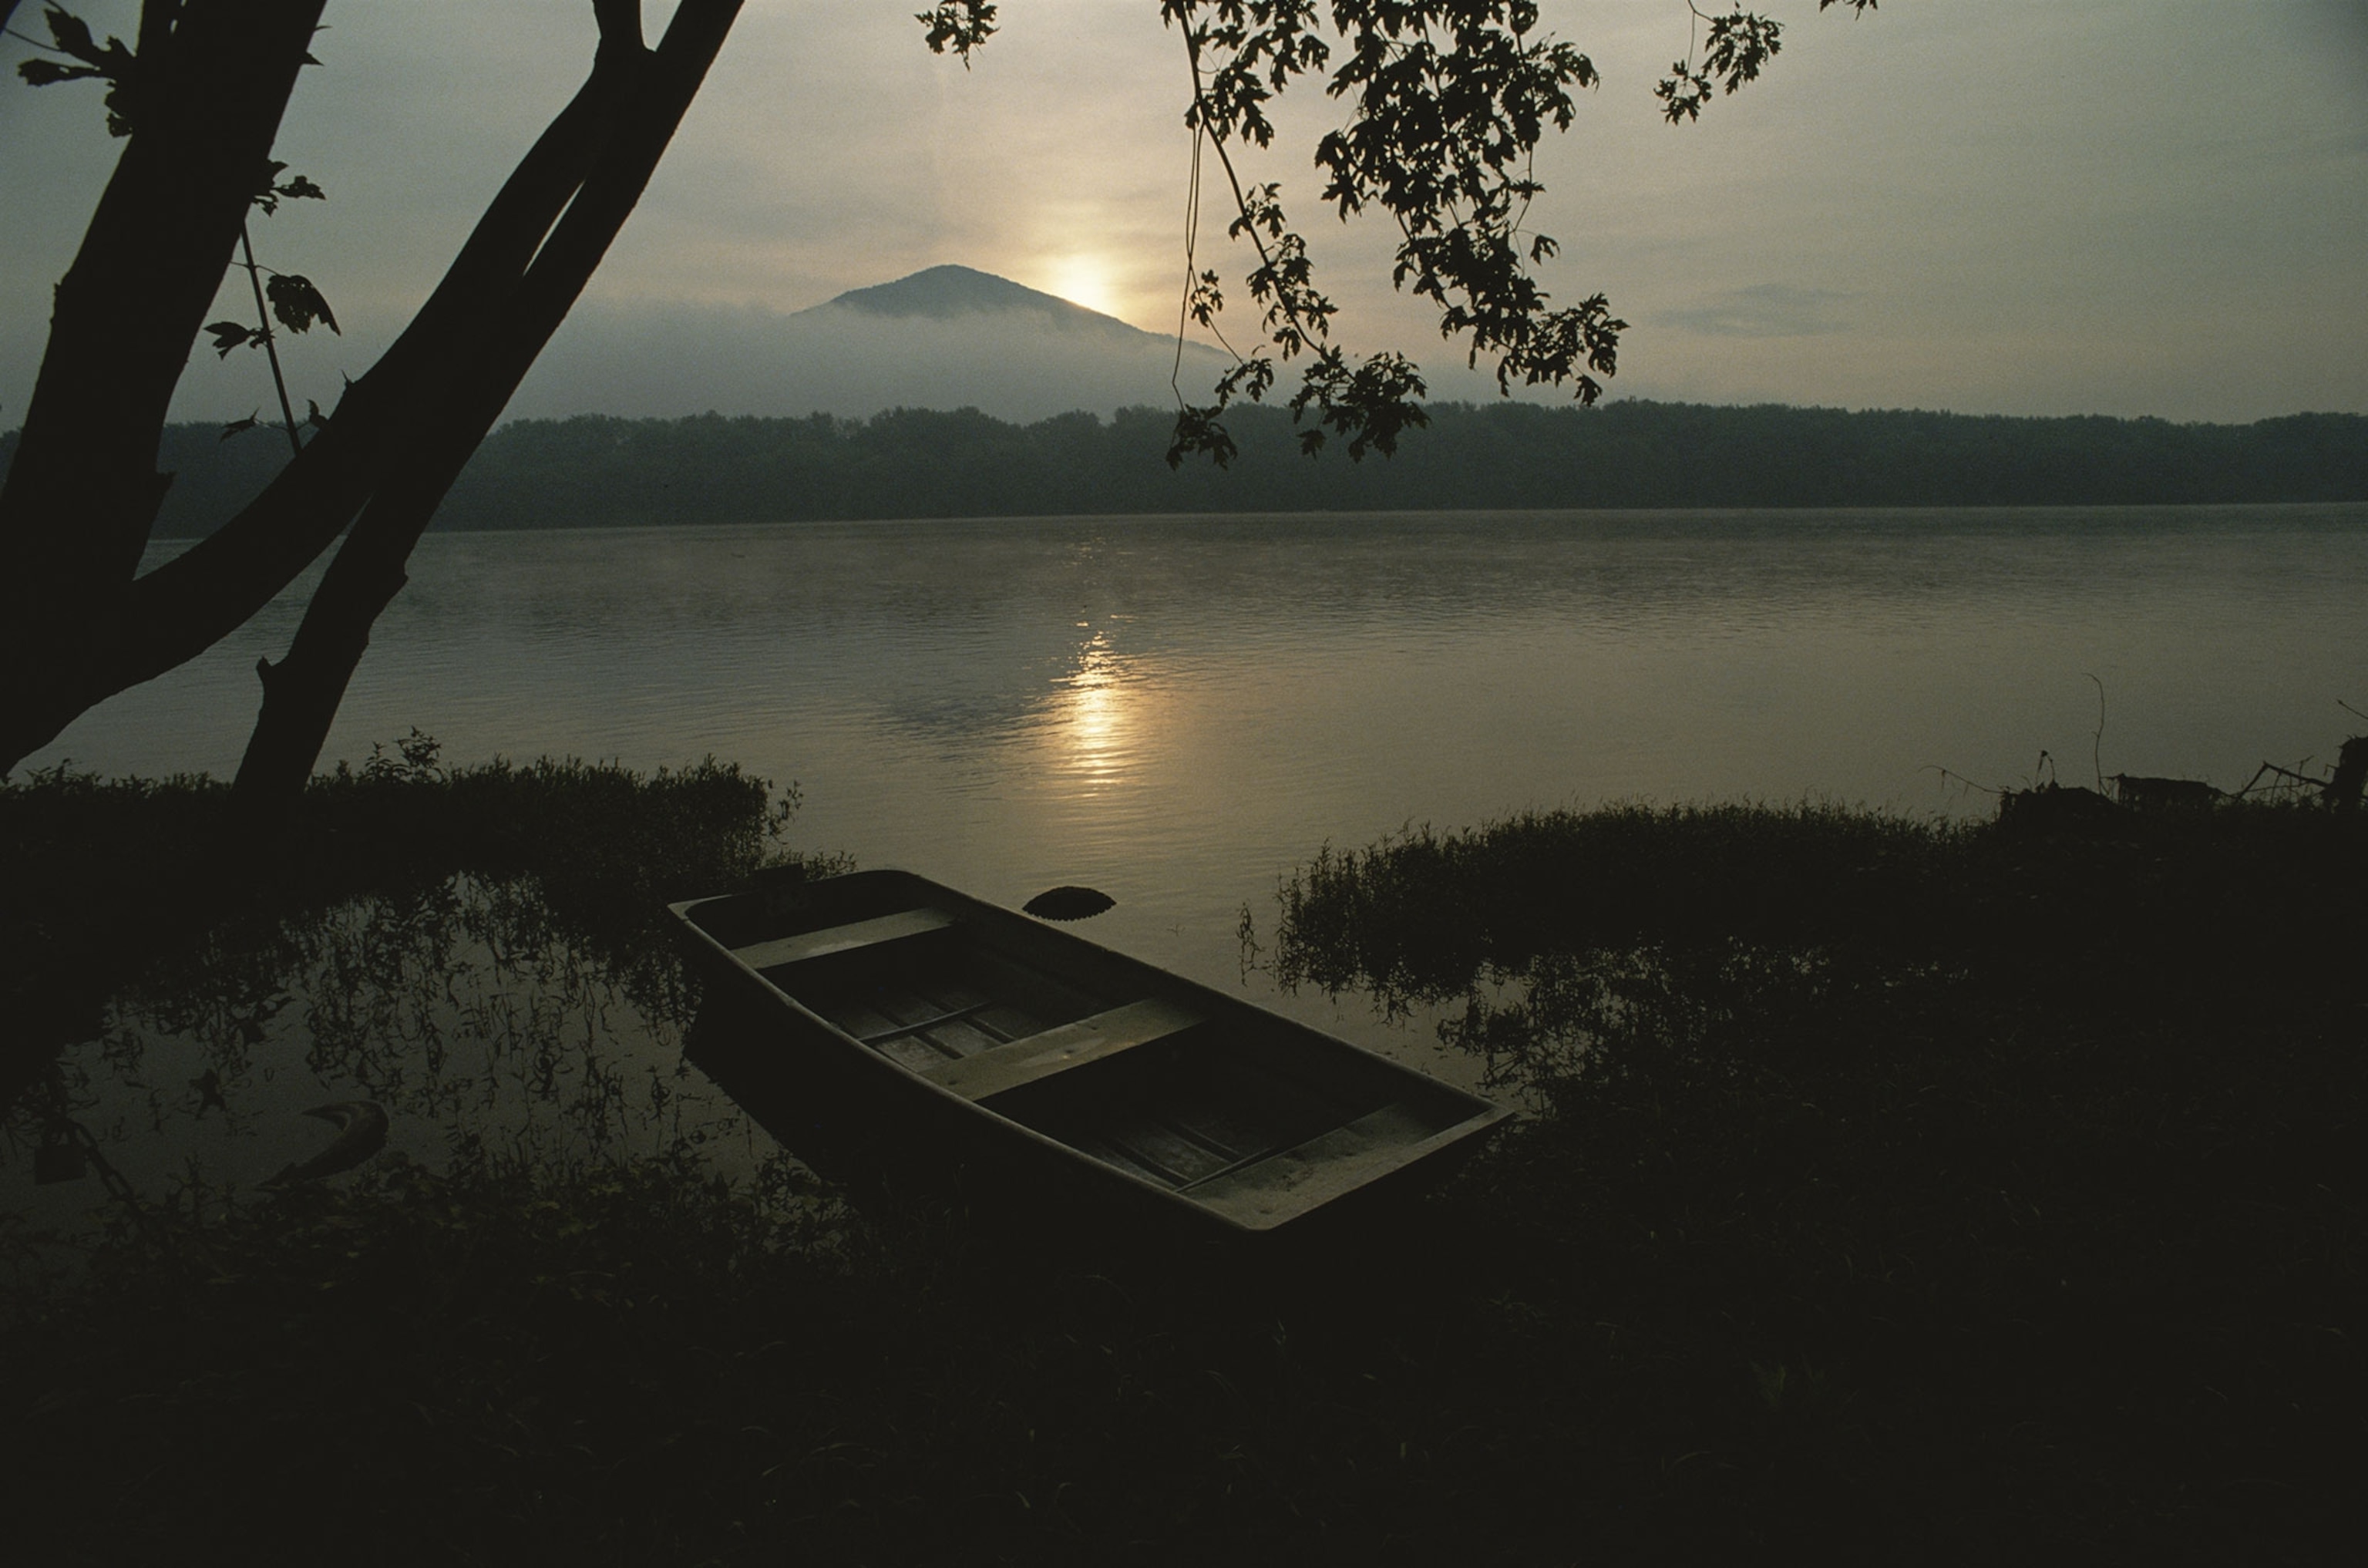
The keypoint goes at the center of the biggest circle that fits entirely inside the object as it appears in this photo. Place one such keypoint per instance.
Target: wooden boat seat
(1287, 1181)
(1032, 1057)
(842, 938)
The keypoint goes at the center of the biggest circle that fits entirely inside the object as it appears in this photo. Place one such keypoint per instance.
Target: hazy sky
(1996, 206)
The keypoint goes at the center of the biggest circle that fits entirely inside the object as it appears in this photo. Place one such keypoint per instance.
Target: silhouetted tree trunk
(640, 110)
(82, 492)
(77, 624)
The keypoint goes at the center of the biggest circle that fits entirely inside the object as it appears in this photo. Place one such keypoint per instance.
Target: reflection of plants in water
(1559, 1014)
(481, 948)
(1727, 947)
(1564, 947)
(465, 1007)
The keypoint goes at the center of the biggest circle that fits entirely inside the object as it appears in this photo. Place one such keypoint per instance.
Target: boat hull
(936, 1029)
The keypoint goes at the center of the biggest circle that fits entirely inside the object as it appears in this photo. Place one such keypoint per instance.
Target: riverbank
(598, 471)
(1893, 1190)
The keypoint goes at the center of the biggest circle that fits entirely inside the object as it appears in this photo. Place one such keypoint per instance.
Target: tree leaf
(1198, 431)
(297, 303)
(114, 64)
(230, 334)
(44, 73)
(73, 35)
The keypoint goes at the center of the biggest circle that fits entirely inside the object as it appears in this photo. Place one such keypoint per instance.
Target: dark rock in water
(361, 1132)
(1068, 904)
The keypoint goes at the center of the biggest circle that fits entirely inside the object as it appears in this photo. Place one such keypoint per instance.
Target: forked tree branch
(130, 631)
(303, 692)
(189, 603)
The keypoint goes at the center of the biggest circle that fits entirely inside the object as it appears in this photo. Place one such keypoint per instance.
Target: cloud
(1764, 310)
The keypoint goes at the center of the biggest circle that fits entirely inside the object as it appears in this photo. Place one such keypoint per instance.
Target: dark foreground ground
(1893, 1193)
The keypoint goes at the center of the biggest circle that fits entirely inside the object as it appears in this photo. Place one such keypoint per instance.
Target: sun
(1083, 281)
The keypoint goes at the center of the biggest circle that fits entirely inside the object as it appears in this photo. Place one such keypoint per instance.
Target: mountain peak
(942, 292)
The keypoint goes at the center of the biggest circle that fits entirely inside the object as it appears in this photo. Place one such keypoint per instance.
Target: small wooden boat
(1047, 1053)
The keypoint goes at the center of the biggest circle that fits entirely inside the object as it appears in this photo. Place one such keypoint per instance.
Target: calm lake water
(1179, 711)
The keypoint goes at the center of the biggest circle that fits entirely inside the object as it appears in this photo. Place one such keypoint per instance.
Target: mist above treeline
(601, 470)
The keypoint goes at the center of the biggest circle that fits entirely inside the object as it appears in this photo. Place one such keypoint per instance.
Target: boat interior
(1232, 1108)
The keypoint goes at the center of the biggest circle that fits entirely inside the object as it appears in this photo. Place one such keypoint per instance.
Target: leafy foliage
(959, 26)
(1448, 100)
(1370, 403)
(1738, 45)
(273, 189)
(1734, 48)
(114, 64)
(1448, 104)
(296, 303)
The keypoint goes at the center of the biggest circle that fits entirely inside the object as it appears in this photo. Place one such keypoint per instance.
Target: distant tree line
(599, 471)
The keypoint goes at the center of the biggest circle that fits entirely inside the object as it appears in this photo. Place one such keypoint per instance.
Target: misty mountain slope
(947, 338)
(951, 293)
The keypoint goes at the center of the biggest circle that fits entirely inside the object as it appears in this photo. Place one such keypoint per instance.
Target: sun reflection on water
(1095, 726)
